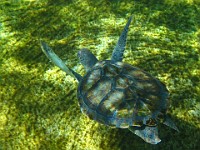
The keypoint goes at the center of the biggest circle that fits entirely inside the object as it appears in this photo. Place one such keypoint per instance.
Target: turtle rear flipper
(168, 122)
(148, 134)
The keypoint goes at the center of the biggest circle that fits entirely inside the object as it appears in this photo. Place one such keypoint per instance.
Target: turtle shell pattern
(120, 95)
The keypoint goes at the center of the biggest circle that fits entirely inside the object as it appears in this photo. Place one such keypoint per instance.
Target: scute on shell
(120, 95)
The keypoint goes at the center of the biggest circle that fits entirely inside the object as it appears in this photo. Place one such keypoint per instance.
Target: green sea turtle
(117, 94)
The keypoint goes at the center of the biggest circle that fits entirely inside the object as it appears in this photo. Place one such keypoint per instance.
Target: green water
(38, 104)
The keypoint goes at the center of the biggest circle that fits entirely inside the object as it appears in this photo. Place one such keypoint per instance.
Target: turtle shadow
(24, 88)
(185, 139)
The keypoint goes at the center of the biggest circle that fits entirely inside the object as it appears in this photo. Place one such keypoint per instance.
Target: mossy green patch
(38, 104)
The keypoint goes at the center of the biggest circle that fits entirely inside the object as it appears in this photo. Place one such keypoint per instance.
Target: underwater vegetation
(38, 103)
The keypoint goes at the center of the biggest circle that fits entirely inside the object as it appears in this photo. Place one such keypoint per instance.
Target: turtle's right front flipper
(58, 62)
(118, 52)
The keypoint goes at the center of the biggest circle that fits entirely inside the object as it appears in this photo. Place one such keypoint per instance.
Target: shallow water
(38, 104)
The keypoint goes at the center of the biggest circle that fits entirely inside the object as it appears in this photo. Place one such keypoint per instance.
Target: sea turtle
(117, 94)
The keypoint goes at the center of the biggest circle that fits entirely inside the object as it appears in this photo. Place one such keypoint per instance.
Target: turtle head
(87, 59)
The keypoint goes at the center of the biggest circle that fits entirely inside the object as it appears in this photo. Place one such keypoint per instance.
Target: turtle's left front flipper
(148, 134)
(57, 61)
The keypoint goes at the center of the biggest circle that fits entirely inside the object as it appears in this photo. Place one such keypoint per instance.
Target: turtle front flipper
(58, 62)
(148, 134)
(118, 52)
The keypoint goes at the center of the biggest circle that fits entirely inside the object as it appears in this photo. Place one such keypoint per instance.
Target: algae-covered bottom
(38, 104)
